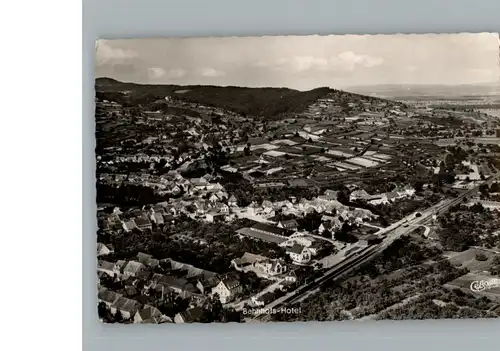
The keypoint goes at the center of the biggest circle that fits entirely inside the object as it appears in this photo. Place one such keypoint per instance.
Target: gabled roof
(130, 290)
(209, 282)
(392, 195)
(267, 297)
(158, 217)
(173, 282)
(105, 265)
(108, 295)
(124, 304)
(133, 267)
(149, 312)
(296, 248)
(292, 223)
(101, 247)
(120, 264)
(249, 258)
(270, 229)
(192, 314)
(129, 225)
(142, 221)
(327, 224)
(275, 263)
(231, 283)
(147, 259)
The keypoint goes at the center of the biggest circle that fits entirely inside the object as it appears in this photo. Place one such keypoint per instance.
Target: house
(158, 209)
(213, 198)
(128, 226)
(127, 307)
(378, 200)
(177, 285)
(150, 315)
(392, 196)
(107, 296)
(407, 191)
(222, 195)
(103, 250)
(331, 194)
(246, 260)
(263, 299)
(289, 225)
(301, 238)
(269, 229)
(267, 205)
(271, 267)
(316, 247)
(157, 218)
(334, 224)
(132, 268)
(359, 195)
(215, 187)
(130, 291)
(253, 209)
(113, 221)
(106, 267)
(214, 216)
(291, 277)
(118, 268)
(143, 223)
(232, 202)
(147, 260)
(201, 207)
(190, 315)
(206, 284)
(227, 289)
(299, 254)
(221, 207)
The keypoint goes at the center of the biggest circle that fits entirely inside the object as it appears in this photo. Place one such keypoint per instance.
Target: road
(353, 261)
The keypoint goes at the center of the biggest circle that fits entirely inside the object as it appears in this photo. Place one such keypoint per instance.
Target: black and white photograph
(298, 178)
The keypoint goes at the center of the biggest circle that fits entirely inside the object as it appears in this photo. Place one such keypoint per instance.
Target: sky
(303, 62)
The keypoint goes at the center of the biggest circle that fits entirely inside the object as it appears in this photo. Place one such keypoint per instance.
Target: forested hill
(266, 102)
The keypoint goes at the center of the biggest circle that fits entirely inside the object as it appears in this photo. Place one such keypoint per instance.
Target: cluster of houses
(142, 285)
(272, 269)
(384, 198)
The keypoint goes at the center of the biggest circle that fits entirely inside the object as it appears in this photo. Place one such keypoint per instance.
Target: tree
(102, 310)
(118, 316)
(481, 257)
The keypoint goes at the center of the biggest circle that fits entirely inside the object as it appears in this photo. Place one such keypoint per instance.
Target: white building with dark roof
(227, 289)
(299, 254)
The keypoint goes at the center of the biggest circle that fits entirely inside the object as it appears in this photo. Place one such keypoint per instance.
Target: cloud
(211, 72)
(345, 61)
(349, 60)
(155, 72)
(306, 63)
(108, 54)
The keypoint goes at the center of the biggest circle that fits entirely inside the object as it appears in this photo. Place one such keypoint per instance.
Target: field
(467, 259)
(464, 282)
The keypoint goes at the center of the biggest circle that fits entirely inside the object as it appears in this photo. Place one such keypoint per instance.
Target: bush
(481, 257)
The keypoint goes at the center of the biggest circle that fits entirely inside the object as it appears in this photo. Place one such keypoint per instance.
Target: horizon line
(318, 87)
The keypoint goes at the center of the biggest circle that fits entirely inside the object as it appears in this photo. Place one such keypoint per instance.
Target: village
(300, 193)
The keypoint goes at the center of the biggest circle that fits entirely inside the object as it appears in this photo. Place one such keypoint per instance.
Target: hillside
(262, 102)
